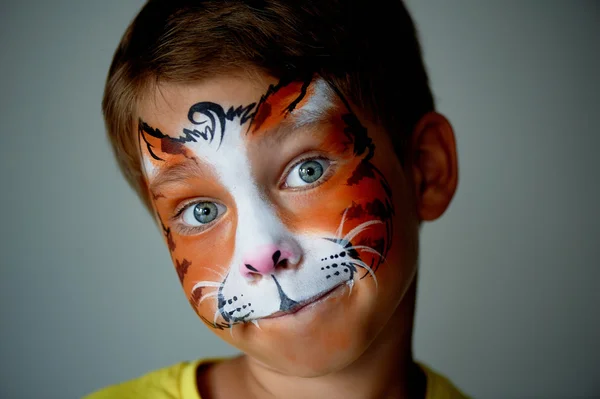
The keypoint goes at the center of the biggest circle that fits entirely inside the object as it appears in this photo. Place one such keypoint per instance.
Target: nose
(264, 260)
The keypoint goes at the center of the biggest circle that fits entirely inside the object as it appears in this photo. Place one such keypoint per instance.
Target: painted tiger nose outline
(264, 260)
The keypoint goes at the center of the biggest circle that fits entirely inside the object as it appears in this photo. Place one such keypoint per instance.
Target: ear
(434, 165)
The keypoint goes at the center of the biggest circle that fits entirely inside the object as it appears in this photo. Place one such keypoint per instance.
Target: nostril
(282, 264)
(276, 257)
(249, 267)
(264, 260)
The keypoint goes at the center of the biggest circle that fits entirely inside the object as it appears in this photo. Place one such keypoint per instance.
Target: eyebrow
(176, 173)
(307, 120)
(190, 168)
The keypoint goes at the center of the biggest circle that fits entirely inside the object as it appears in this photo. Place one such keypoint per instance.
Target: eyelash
(183, 206)
(185, 229)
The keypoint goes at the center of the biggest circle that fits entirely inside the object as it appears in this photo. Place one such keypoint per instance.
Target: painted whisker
(350, 284)
(203, 284)
(363, 265)
(359, 229)
(209, 295)
(367, 249)
(220, 274)
(217, 313)
(340, 230)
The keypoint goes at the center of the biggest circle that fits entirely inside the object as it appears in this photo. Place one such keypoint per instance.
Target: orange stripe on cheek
(210, 255)
(207, 256)
(320, 212)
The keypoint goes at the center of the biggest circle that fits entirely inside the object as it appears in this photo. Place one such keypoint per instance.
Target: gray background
(508, 300)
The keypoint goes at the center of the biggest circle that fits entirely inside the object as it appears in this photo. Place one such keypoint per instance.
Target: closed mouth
(303, 304)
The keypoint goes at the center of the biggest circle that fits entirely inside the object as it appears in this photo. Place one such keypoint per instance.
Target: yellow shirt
(179, 382)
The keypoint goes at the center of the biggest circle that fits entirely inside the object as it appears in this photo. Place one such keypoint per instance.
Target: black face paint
(206, 131)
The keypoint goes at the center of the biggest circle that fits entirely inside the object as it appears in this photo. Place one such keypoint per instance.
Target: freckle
(238, 309)
(322, 268)
(235, 298)
(337, 273)
(336, 256)
(328, 276)
(327, 267)
(230, 301)
(331, 257)
(344, 264)
(346, 270)
(244, 307)
(231, 313)
(343, 253)
(334, 265)
(252, 311)
(250, 305)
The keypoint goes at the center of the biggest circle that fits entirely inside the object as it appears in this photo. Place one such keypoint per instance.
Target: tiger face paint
(277, 208)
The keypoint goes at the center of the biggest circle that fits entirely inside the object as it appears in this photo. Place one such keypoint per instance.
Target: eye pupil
(310, 171)
(205, 212)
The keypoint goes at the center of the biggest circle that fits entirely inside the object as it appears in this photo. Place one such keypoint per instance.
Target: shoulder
(174, 382)
(440, 387)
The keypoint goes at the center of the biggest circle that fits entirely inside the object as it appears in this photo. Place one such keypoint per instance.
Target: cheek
(356, 187)
(207, 258)
(356, 190)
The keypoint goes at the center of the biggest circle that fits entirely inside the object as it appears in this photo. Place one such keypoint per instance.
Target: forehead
(211, 121)
(262, 101)
(168, 104)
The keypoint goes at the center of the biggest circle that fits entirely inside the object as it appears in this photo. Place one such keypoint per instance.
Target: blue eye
(306, 172)
(201, 213)
(205, 212)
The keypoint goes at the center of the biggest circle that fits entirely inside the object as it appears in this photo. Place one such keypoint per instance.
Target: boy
(289, 152)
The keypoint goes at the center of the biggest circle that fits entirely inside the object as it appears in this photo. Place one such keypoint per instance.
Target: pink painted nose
(264, 260)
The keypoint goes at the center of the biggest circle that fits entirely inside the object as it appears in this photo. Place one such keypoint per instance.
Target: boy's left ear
(434, 165)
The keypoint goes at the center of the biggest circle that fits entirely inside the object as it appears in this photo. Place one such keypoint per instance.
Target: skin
(305, 331)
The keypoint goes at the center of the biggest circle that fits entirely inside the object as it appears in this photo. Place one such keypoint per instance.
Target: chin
(305, 359)
(320, 339)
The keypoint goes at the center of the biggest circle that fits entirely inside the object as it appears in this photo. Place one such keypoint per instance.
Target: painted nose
(264, 260)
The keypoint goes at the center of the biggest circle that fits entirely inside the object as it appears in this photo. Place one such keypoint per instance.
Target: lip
(310, 301)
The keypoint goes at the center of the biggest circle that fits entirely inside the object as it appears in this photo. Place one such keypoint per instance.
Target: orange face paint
(268, 250)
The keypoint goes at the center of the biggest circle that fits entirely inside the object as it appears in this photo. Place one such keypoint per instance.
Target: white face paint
(274, 267)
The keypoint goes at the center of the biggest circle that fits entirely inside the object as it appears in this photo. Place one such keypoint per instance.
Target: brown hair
(367, 50)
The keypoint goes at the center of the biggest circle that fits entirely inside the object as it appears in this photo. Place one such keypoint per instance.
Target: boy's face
(289, 219)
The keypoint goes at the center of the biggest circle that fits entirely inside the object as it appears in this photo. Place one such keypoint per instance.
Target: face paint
(270, 206)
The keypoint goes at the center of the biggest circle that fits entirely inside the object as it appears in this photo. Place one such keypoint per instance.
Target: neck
(385, 369)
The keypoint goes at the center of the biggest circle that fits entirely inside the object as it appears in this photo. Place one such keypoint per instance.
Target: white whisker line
(359, 229)
(209, 295)
(255, 322)
(340, 230)
(351, 285)
(217, 313)
(367, 268)
(220, 274)
(231, 329)
(366, 249)
(204, 284)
